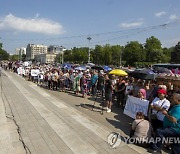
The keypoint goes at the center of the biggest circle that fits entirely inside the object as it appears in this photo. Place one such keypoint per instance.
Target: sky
(70, 22)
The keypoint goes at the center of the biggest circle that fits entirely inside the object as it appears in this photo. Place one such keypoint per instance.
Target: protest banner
(35, 72)
(134, 105)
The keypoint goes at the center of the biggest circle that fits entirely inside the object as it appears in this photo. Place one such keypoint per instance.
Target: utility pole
(120, 60)
(62, 57)
(89, 38)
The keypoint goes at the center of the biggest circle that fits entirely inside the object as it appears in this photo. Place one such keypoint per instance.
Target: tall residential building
(22, 51)
(55, 49)
(17, 50)
(33, 49)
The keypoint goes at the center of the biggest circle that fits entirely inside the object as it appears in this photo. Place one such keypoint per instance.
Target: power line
(121, 34)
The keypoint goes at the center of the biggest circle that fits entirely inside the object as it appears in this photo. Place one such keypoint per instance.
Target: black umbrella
(97, 67)
(145, 74)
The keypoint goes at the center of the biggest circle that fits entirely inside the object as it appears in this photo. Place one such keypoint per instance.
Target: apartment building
(45, 58)
(55, 49)
(35, 49)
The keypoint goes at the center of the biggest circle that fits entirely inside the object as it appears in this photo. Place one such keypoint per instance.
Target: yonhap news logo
(115, 139)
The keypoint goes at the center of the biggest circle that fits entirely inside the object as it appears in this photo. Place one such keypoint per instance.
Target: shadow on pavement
(121, 121)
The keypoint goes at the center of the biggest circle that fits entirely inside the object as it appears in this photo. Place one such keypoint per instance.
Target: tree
(1, 45)
(98, 55)
(133, 52)
(116, 52)
(175, 55)
(23, 57)
(68, 56)
(3, 54)
(14, 57)
(166, 55)
(107, 54)
(153, 49)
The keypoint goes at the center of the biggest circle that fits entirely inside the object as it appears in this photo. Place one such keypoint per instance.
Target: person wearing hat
(158, 105)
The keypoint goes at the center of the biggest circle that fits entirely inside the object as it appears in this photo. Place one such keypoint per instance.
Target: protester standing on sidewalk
(94, 79)
(100, 84)
(108, 92)
(120, 93)
(83, 84)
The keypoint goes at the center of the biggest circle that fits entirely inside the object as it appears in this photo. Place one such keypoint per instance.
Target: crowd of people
(162, 120)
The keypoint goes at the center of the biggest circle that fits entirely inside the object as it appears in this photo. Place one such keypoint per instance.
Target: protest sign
(134, 105)
(34, 72)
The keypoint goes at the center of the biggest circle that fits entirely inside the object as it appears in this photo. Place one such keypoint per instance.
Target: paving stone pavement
(52, 122)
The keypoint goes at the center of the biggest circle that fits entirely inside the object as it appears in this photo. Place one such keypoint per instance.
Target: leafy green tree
(166, 57)
(175, 56)
(153, 49)
(107, 54)
(76, 55)
(1, 45)
(116, 52)
(68, 56)
(14, 57)
(133, 52)
(3, 54)
(98, 55)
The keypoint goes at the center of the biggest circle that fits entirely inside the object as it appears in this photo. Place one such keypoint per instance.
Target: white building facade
(33, 49)
(45, 58)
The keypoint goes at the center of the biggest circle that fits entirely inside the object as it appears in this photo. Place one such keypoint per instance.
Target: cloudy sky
(70, 22)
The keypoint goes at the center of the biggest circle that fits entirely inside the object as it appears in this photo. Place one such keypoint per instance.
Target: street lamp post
(120, 60)
(89, 38)
(62, 57)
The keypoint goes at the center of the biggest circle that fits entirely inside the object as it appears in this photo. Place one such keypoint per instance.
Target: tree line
(133, 54)
(3, 54)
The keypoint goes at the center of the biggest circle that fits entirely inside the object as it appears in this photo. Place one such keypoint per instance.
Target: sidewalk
(52, 122)
(9, 138)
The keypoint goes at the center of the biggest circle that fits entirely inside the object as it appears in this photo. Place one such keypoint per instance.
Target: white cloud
(35, 25)
(159, 14)
(132, 24)
(173, 17)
